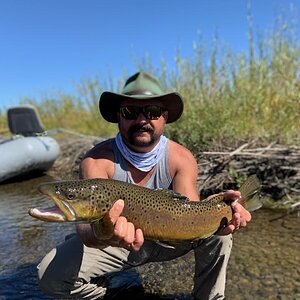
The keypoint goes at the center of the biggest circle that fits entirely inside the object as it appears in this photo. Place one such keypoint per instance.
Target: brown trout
(163, 215)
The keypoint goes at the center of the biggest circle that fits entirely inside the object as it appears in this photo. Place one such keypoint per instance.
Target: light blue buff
(142, 161)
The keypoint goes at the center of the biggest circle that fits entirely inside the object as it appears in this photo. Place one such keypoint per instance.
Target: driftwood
(277, 166)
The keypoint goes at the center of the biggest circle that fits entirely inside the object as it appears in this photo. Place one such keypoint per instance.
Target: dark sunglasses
(150, 112)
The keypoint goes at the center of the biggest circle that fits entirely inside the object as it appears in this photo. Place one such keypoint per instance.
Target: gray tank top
(160, 178)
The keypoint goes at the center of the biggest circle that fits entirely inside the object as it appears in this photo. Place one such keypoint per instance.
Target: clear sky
(53, 44)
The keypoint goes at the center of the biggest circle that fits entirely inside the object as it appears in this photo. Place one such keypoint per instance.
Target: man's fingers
(125, 234)
(120, 230)
(227, 230)
(231, 195)
(116, 210)
(133, 240)
(239, 209)
(236, 220)
(130, 233)
(139, 240)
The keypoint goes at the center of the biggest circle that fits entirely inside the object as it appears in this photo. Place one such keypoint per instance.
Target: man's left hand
(240, 216)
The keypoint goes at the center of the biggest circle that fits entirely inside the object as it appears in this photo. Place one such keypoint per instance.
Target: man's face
(139, 129)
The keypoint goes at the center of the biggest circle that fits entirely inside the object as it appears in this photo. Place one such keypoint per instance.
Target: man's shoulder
(182, 163)
(176, 150)
(102, 150)
(98, 162)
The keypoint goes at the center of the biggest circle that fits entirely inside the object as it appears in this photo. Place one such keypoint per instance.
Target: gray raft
(29, 149)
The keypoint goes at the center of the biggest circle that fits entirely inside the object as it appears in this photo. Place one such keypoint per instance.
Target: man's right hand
(124, 233)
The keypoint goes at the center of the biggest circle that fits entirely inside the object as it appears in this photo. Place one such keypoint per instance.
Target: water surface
(265, 261)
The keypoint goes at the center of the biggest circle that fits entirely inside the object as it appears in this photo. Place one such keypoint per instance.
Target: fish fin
(165, 245)
(250, 187)
(103, 228)
(249, 193)
(253, 203)
(174, 195)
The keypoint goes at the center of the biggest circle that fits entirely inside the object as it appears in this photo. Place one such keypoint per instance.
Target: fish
(162, 214)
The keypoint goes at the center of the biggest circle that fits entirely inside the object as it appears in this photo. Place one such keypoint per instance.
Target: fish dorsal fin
(174, 195)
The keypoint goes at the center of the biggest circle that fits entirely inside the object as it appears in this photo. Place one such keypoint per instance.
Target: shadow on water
(32, 175)
(21, 283)
(264, 263)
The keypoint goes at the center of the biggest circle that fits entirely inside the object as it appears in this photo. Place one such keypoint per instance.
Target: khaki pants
(72, 270)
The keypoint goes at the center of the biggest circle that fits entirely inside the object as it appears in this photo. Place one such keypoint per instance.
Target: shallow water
(265, 261)
(24, 240)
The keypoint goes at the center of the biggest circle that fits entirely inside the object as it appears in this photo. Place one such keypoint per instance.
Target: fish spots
(160, 213)
(219, 207)
(186, 205)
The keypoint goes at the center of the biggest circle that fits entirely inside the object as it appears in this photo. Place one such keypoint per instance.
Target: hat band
(140, 92)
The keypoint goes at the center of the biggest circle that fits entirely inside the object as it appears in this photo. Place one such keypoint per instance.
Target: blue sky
(53, 44)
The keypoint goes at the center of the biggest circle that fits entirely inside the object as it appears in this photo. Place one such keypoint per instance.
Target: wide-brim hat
(141, 86)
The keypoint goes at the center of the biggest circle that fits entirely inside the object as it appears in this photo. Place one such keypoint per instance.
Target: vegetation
(228, 96)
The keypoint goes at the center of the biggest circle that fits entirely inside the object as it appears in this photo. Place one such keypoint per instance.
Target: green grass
(228, 96)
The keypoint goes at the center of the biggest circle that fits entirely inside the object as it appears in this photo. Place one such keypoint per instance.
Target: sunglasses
(150, 112)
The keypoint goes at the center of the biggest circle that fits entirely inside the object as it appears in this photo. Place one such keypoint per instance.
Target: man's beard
(140, 128)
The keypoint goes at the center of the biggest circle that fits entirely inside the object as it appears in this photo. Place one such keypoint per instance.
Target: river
(265, 261)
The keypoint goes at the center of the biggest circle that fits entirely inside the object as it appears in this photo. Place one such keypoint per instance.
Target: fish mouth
(62, 211)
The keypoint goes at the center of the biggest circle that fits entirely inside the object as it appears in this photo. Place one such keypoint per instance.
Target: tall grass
(228, 96)
(239, 96)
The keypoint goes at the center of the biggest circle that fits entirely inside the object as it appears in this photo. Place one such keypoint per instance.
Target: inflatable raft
(29, 149)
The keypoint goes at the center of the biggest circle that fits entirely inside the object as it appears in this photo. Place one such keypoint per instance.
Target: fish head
(74, 201)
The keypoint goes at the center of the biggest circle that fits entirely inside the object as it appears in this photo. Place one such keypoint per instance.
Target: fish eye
(70, 195)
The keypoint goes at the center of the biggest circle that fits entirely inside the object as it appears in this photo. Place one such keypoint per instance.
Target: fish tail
(249, 193)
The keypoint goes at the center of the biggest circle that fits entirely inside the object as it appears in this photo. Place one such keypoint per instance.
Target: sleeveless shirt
(159, 179)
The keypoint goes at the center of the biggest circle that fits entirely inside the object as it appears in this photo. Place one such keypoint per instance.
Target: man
(142, 155)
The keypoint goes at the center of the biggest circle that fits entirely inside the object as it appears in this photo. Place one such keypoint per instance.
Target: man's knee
(224, 243)
(58, 271)
(214, 245)
(49, 280)
(212, 256)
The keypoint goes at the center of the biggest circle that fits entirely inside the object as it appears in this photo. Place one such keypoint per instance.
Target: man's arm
(185, 171)
(99, 164)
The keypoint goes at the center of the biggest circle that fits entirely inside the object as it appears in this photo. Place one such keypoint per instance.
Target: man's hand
(240, 215)
(123, 233)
